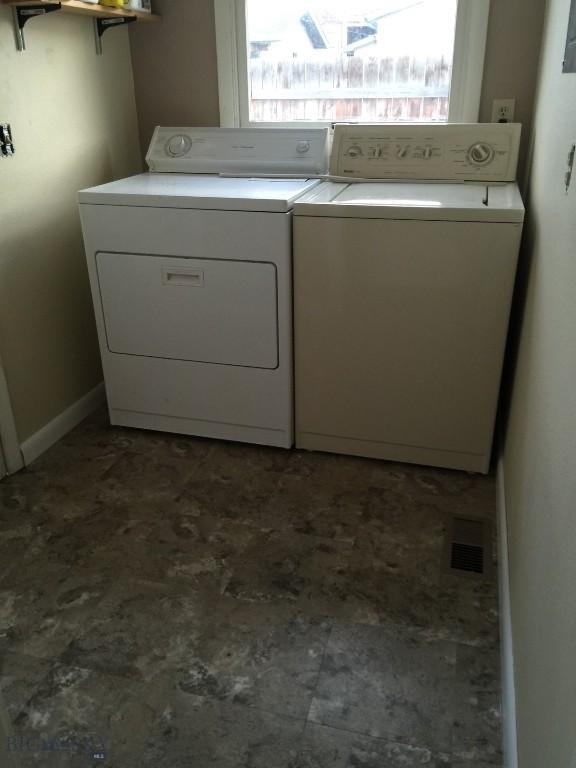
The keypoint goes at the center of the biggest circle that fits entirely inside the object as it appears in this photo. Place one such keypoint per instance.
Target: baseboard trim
(9, 443)
(509, 732)
(45, 438)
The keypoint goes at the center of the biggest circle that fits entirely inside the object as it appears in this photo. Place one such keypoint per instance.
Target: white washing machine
(191, 275)
(403, 291)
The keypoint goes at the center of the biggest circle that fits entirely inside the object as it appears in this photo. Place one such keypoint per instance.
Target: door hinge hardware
(6, 142)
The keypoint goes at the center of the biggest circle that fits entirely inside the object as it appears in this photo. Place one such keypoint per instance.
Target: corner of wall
(509, 726)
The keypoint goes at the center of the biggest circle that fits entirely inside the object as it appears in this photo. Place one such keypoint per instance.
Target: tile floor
(179, 602)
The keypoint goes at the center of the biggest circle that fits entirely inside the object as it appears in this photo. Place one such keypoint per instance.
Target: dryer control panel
(440, 152)
(240, 151)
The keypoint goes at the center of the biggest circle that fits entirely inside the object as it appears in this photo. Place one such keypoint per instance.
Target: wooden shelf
(89, 9)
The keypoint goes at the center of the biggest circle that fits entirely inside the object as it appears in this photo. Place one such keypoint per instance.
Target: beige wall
(175, 70)
(74, 123)
(540, 449)
(512, 56)
(176, 74)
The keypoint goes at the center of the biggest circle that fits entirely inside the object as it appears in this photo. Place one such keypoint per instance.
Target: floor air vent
(469, 546)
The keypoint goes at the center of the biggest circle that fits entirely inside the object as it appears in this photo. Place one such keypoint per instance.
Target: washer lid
(394, 200)
(168, 190)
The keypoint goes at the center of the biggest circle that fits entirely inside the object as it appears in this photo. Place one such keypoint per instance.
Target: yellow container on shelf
(115, 3)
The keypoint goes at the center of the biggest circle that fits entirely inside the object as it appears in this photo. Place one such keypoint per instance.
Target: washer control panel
(440, 152)
(241, 151)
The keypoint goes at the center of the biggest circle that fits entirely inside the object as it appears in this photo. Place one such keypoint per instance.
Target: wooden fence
(370, 88)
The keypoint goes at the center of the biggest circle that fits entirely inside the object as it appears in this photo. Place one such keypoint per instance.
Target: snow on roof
(267, 27)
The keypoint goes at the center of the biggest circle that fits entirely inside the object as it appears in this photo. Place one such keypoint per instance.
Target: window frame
(232, 56)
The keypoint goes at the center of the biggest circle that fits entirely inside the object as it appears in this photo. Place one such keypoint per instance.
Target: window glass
(339, 60)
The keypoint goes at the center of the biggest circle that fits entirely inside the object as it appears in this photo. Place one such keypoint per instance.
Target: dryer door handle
(183, 276)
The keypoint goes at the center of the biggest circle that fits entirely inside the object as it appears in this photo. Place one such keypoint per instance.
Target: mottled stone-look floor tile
(190, 731)
(311, 498)
(140, 477)
(387, 683)
(363, 593)
(20, 677)
(475, 607)
(237, 500)
(17, 531)
(77, 711)
(325, 747)
(268, 658)
(170, 543)
(236, 482)
(467, 763)
(76, 536)
(283, 565)
(177, 595)
(333, 578)
(477, 727)
(457, 491)
(141, 630)
(42, 608)
(65, 470)
(337, 497)
(265, 657)
(252, 463)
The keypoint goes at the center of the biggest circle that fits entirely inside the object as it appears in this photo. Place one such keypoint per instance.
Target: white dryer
(191, 275)
(403, 291)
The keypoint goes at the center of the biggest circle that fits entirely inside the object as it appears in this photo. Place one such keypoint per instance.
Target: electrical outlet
(503, 110)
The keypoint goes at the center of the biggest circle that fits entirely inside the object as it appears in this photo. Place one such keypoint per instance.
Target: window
(323, 61)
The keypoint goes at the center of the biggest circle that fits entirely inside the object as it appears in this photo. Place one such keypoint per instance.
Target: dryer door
(201, 310)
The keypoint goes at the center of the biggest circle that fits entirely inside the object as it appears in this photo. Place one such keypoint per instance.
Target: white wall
(74, 120)
(540, 448)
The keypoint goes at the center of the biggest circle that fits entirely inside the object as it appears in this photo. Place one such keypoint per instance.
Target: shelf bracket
(23, 13)
(102, 25)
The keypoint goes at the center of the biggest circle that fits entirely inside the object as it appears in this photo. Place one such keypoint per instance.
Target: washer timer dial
(481, 153)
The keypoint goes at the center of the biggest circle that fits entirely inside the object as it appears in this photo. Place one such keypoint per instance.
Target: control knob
(303, 147)
(480, 153)
(354, 151)
(178, 145)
